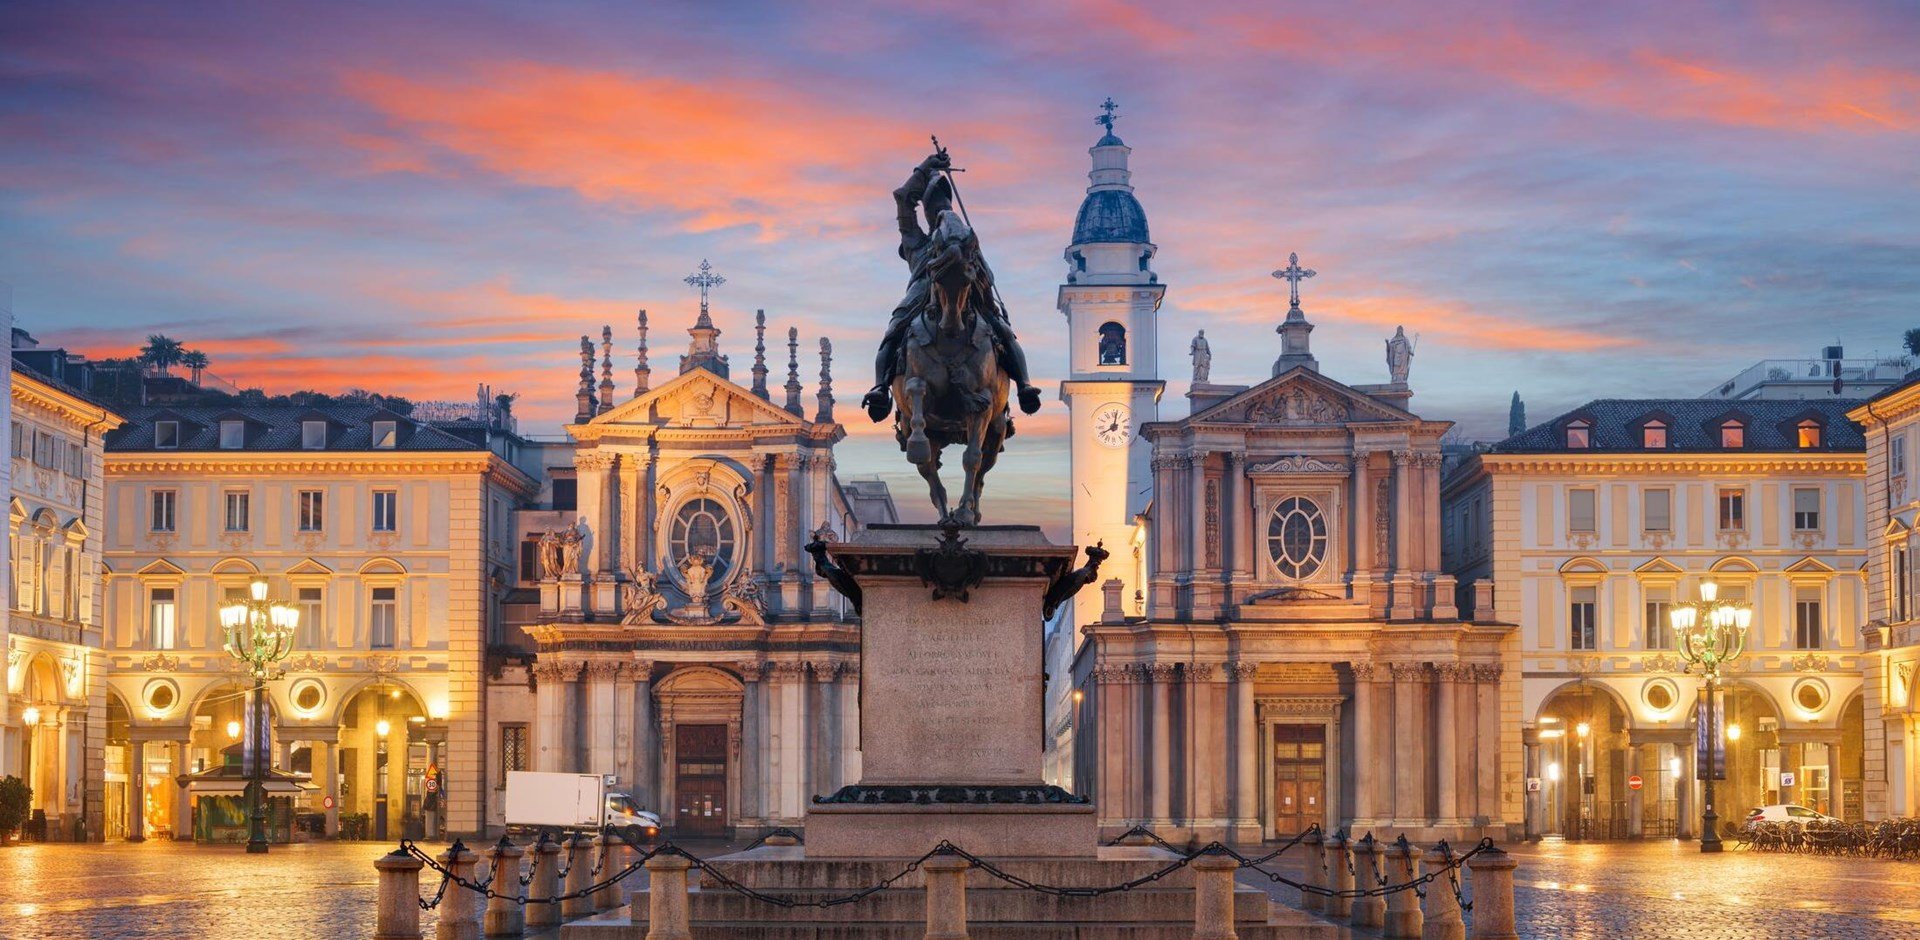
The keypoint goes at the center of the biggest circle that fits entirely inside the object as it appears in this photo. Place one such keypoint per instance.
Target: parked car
(1786, 812)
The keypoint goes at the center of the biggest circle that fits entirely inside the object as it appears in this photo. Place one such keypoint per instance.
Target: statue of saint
(1202, 358)
(1399, 355)
(550, 563)
(570, 540)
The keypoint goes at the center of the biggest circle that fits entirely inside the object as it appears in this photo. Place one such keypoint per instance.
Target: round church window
(703, 527)
(1297, 538)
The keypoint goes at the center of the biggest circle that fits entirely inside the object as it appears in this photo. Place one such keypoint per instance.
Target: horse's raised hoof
(878, 403)
(965, 517)
(918, 450)
(1029, 399)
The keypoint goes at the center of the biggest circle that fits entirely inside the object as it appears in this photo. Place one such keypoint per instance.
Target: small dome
(1110, 141)
(1110, 215)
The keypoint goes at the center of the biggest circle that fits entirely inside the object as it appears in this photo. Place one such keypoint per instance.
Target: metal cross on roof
(1293, 274)
(705, 280)
(1106, 120)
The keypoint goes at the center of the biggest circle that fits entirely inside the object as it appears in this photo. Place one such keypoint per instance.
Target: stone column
(1362, 528)
(1636, 809)
(1686, 825)
(1368, 763)
(1159, 787)
(182, 802)
(1535, 800)
(646, 743)
(1206, 758)
(1204, 544)
(1446, 742)
(790, 683)
(555, 725)
(1401, 607)
(786, 538)
(137, 792)
(1240, 517)
(626, 739)
(1409, 747)
(1246, 755)
(600, 717)
(1163, 563)
(753, 735)
(330, 783)
(1428, 468)
(1487, 733)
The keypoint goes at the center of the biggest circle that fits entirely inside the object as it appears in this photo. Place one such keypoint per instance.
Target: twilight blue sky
(1574, 200)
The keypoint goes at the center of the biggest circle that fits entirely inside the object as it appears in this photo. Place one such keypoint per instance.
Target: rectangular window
(163, 503)
(1579, 435)
(46, 450)
(313, 516)
(1733, 510)
(1897, 456)
(1653, 435)
(1583, 602)
(313, 435)
(529, 561)
(1659, 625)
(166, 435)
(566, 495)
(233, 435)
(1733, 434)
(19, 439)
(76, 460)
(1806, 508)
(1808, 627)
(1656, 510)
(384, 505)
(239, 510)
(382, 617)
(160, 619)
(513, 750)
(1580, 514)
(1900, 593)
(386, 435)
(313, 613)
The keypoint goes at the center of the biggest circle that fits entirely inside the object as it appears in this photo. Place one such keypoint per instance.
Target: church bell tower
(1111, 300)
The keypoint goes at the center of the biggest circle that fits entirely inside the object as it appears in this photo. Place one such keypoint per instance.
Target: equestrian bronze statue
(949, 351)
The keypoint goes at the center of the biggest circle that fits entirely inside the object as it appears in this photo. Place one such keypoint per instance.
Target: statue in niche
(1202, 358)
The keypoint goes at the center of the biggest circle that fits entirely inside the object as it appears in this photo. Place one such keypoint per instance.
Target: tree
(162, 352)
(15, 799)
(196, 360)
(1913, 341)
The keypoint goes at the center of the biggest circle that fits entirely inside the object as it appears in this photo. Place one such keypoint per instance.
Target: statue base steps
(1160, 910)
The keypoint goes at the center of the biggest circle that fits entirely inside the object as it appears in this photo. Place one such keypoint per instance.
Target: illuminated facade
(1892, 631)
(1584, 530)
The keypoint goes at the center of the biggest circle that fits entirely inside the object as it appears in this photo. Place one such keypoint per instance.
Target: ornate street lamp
(1710, 634)
(260, 634)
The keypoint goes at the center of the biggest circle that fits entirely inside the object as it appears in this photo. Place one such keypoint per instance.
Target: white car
(1786, 812)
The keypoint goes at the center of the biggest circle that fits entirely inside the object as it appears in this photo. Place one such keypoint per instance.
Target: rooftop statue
(949, 351)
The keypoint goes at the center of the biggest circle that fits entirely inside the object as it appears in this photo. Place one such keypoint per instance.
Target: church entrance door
(700, 780)
(1299, 777)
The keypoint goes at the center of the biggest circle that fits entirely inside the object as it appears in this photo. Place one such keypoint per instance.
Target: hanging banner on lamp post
(1709, 753)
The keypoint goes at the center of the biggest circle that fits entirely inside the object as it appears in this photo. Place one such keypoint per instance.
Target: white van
(579, 802)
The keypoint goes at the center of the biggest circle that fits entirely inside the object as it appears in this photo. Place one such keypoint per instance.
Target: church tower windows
(1113, 344)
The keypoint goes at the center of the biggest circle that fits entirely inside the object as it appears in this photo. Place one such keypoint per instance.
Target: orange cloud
(1440, 320)
(721, 153)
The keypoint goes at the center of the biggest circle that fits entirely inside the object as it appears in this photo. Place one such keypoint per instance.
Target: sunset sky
(1571, 200)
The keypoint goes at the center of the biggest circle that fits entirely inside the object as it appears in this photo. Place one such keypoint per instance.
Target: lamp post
(260, 634)
(1710, 634)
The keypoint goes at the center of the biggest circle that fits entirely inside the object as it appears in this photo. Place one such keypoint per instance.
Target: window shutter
(89, 577)
(57, 582)
(23, 565)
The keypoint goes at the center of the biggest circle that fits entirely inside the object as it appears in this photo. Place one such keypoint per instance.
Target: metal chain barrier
(948, 848)
(1453, 870)
(782, 831)
(1450, 870)
(780, 900)
(1144, 833)
(485, 888)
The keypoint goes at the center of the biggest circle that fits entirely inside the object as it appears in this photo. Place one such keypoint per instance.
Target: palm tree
(196, 360)
(162, 352)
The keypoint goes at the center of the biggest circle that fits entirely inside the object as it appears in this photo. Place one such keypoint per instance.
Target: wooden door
(1299, 777)
(700, 780)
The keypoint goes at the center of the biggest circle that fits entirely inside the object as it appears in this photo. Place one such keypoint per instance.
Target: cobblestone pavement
(1667, 889)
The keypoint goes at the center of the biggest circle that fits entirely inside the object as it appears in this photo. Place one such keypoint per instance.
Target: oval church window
(1297, 538)
(703, 526)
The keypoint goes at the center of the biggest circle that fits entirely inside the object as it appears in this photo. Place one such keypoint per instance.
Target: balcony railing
(1812, 372)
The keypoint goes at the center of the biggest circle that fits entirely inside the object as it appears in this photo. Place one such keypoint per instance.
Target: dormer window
(1733, 434)
(1579, 434)
(233, 434)
(166, 435)
(313, 435)
(386, 435)
(1653, 435)
(1807, 433)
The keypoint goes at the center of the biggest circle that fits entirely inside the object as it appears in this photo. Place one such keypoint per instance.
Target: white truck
(537, 800)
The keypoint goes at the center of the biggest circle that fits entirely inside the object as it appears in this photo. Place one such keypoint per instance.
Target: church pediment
(1301, 397)
(694, 399)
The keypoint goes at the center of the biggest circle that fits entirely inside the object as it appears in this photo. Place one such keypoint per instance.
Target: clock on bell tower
(1111, 300)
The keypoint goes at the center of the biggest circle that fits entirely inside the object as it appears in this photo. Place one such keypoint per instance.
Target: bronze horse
(950, 388)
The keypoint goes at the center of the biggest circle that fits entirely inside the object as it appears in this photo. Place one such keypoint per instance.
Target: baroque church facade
(1280, 646)
(681, 642)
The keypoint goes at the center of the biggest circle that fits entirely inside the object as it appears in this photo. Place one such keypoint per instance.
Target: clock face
(1113, 425)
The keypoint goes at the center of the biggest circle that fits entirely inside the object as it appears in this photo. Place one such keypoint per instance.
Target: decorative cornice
(1407, 672)
(1363, 670)
(28, 390)
(1848, 462)
(1300, 463)
(1487, 672)
(1300, 705)
(1200, 672)
(1159, 672)
(372, 463)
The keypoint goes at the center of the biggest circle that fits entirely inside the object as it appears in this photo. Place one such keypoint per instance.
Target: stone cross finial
(606, 369)
(642, 376)
(1293, 274)
(760, 353)
(793, 370)
(583, 399)
(825, 413)
(1106, 120)
(705, 280)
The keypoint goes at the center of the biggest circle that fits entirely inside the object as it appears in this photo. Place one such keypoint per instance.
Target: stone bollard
(1441, 908)
(579, 878)
(1403, 906)
(667, 897)
(504, 918)
(1213, 895)
(544, 884)
(399, 912)
(1368, 910)
(946, 896)
(459, 907)
(607, 850)
(1316, 871)
(1339, 857)
(1493, 895)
